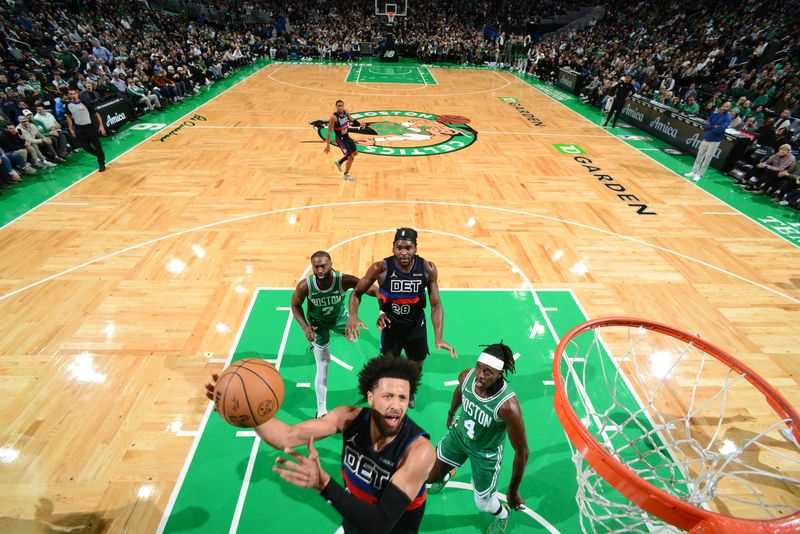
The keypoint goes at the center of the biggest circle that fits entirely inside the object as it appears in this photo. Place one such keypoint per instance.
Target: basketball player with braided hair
(386, 457)
(489, 410)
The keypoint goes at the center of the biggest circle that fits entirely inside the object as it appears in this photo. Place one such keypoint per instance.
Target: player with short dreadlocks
(489, 410)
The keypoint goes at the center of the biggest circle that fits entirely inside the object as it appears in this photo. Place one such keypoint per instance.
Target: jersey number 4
(469, 424)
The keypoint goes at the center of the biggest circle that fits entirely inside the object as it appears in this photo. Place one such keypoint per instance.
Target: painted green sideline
(404, 73)
(780, 220)
(35, 190)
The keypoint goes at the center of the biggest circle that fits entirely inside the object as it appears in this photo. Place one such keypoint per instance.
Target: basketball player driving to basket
(386, 457)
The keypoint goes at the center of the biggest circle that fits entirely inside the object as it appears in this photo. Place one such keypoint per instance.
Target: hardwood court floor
(115, 312)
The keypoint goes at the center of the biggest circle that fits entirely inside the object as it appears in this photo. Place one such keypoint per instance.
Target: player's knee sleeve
(488, 503)
(322, 355)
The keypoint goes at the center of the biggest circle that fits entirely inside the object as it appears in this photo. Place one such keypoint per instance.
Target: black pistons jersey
(366, 472)
(341, 123)
(402, 295)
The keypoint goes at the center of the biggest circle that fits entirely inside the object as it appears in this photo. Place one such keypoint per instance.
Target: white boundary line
(179, 483)
(137, 144)
(502, 496)
(766, 229)
(346, 365)
(222, 127)
(400, 202)
(237, 514)
(430, 71)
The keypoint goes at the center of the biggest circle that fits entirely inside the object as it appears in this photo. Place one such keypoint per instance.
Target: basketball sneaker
(338, 166)
(498, 526)
(437, 487)
(348, 178)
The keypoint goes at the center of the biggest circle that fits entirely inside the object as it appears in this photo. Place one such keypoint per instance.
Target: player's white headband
(492, 361)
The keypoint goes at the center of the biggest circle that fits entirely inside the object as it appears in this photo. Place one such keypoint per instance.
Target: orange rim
(648, 497)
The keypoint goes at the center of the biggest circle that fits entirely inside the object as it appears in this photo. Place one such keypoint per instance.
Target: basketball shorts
(411, 339)
(484, 463)
(347, 145)
(324, 330)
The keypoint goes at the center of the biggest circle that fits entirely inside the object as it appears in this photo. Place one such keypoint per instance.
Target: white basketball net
(680, 419)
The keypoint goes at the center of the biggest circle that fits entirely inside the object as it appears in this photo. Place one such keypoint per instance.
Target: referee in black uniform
(622, 91)
(84, 120)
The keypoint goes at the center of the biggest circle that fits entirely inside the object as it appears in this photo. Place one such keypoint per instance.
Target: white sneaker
(696, 178)
(48, 163)
(689, 175)
(348, 177)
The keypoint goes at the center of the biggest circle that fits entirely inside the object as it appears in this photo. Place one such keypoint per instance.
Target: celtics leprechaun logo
(405, 133)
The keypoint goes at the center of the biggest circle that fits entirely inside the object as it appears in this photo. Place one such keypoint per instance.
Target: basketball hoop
(390, 15)
(655, 443)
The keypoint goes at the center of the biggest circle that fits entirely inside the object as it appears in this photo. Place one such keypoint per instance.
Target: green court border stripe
(415, 69)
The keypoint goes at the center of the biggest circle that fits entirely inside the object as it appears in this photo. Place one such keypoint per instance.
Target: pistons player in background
(386, 457)
(403, 279)
(340, 123)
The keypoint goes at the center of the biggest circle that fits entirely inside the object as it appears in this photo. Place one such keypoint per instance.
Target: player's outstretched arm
(280, 435)
(511, 413)
(306, 472)
(402, 488)
(437, 311)
(350, 282)
(372, 275)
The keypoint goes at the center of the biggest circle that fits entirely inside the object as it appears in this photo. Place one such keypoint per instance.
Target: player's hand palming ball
(248, 393)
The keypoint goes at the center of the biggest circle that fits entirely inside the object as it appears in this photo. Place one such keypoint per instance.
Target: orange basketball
(248, 393)
(452, 119)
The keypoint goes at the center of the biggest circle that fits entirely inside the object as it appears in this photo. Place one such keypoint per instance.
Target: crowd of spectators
(693, 57)
(686, 55)
(104, 49)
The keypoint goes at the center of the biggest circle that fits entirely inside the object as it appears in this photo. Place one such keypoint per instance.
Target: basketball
(248, 393)
(452, 119)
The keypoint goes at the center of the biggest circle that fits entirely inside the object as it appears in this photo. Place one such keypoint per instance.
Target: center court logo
(406, 133)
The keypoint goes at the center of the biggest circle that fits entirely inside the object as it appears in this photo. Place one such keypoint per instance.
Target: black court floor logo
(405, 133)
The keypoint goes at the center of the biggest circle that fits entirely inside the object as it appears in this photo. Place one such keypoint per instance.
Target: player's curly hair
(388, 367)
(503, 352)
